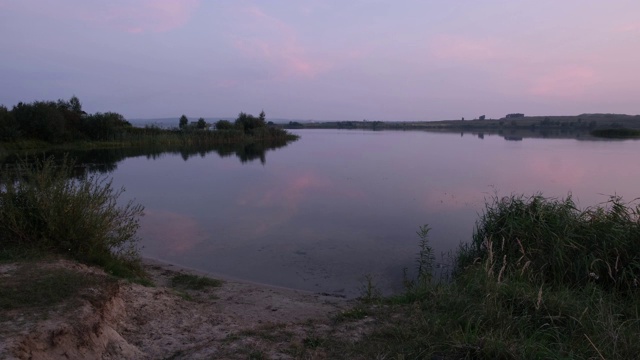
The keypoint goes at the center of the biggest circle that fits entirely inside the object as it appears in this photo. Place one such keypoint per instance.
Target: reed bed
(540, 279)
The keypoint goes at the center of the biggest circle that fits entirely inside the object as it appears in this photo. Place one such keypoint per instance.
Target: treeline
(57, 122)
(63, 121)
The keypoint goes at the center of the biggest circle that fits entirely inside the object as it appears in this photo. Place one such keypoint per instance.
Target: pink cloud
(464, 49)
(567, 82)
(277, 43)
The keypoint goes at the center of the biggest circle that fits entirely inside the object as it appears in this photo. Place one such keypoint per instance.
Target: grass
(153, 136)
(33, 285)
(621, 133)
(44, 210)
(540, 280)
(193, 282)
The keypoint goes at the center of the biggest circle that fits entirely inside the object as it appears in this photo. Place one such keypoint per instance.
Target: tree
(248, 122)
(105, 126)
(262, 116)
(184, 122)
(75, 105)
(8, 125)
(201, 124)
(40, 120)
(224, 125)
(482, 117)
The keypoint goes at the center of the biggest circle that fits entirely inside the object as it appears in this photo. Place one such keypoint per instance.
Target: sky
(389, 60)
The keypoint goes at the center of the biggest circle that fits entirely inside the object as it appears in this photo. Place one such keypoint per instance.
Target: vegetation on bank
(620, 133)
(43, 123)
(44, 210)
(540, 280)
(511, 122)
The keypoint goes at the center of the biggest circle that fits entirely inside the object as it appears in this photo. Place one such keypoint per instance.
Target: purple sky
(324, 59)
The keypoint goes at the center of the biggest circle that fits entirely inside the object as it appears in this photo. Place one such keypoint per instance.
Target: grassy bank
(155, 137)
(540, 280)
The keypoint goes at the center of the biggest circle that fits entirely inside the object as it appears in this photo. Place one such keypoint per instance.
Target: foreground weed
(193, 282)
(42, 207)
(30, 286)
(370, 292)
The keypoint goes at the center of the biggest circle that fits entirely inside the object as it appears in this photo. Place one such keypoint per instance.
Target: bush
(551, 242)
(43, 208)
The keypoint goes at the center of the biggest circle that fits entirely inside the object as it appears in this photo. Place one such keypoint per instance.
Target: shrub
(550, 241)
(43, 208)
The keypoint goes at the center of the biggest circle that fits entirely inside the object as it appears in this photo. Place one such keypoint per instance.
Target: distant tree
(40, 120)
(201, 124)
(514, 115)
(262, 116)
(72, 112)
(105, 126)
(8, 125)
(297, 125)
(482, 117)
(462, 118)
(248, 122)
(184, 122)
(75, 105)
(224, 125)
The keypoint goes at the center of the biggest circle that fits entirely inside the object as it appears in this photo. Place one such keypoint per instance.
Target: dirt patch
(117, 319)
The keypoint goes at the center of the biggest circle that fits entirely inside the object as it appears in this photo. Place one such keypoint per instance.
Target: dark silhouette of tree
(248, 123)
(482, 117)
(75, 105)
(514, 115)
(8, 125)
(105, 126)
(184, 122)
(262, 116)
(40, 120)
(201, 124)
(224, 125)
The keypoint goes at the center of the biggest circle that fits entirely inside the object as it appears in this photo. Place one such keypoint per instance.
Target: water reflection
(519, 133)
(339, 204)
(105, 161)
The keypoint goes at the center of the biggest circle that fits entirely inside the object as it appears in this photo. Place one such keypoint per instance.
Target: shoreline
(150, 261)
(132, 321)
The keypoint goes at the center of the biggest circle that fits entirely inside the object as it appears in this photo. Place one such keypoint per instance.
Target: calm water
(323, 212)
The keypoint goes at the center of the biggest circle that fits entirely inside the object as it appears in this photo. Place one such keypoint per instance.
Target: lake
(337, 206)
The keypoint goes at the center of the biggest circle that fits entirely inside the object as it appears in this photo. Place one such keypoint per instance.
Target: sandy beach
(124, 320)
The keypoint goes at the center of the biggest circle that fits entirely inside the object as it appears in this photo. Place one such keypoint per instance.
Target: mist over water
(323, 212)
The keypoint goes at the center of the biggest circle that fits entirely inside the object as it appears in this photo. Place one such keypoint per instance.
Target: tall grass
(541, 279)
(43, 208)
(551, 242)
